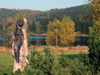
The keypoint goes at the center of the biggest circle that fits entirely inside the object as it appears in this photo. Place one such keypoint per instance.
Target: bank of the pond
(81, 35)
(68, 50)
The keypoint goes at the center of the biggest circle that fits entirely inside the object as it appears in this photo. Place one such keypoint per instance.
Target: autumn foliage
(95, 15)
(67, 33)
(62, 33)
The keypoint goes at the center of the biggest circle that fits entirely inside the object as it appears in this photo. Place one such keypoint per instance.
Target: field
(6, 59)
(6, 63)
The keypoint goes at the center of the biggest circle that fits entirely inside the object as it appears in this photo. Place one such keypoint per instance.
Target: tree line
(8, 16)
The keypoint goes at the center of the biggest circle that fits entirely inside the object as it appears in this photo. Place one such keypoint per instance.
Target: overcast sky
(42, 5)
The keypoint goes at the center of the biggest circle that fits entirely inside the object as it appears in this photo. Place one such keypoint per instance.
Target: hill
(8, 15)
(72, 11)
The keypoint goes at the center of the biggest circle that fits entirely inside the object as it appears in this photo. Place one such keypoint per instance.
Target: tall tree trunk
(99, 34)
(50, 44)
(56, 41)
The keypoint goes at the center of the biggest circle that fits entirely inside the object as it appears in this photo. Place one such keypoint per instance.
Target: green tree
(32, 26)
(13, 26)
(67, 33)
(95, 15)
(94, 54)
(38, 26)
(39, 64)
(50, 26)
(93, 58)
(19, 16)
(94, 46)
(1, 28)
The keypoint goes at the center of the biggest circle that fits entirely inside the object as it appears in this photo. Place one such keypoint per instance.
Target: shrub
(39, 64)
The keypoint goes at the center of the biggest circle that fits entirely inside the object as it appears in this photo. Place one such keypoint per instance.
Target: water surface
(40, 40)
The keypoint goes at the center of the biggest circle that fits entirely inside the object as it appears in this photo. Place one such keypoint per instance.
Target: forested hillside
(7, 17)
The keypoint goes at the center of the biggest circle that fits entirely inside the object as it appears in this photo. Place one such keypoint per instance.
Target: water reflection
(2, 44)
(40, 40)
(37, 42)
(82, 41)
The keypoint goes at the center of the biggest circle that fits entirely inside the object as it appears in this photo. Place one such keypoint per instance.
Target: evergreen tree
(95, 15)
(93, 58)
(38, 26)
(38, 64)
(94, 54)
(32, 26)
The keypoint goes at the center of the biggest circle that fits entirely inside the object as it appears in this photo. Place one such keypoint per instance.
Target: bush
(45, 64)
(39, 64)
(92, 60)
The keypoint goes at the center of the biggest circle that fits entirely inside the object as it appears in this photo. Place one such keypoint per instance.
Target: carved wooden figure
(20, 45)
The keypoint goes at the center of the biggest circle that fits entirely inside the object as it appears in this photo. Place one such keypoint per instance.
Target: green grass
(6, 61)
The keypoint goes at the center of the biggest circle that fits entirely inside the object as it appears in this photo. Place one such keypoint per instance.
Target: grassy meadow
(6, 59)
(6, 63)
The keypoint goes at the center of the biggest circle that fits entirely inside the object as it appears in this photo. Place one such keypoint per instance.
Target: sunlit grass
(6, 63)
(6, 60)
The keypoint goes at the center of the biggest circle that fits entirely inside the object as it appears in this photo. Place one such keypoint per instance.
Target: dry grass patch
(76, 49)
(5, 50)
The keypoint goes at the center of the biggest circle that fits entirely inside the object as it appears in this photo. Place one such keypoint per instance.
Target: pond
(37, 39)
(40, 40)
(82, 41)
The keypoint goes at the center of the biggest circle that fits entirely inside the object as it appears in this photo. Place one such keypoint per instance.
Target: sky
(42, 5)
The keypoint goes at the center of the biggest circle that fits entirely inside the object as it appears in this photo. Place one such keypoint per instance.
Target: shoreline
(80, 35)
(83, 35)
(74, 49)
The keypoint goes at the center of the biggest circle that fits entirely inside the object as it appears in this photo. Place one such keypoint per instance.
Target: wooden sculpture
(20, 45)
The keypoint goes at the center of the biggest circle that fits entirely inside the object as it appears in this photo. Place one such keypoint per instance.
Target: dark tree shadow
(5, 74)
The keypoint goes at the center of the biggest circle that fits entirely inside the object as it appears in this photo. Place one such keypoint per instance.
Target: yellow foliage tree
(95, 14)
(56, 29)
(50, 34)
(50, 38)
(67, 33)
